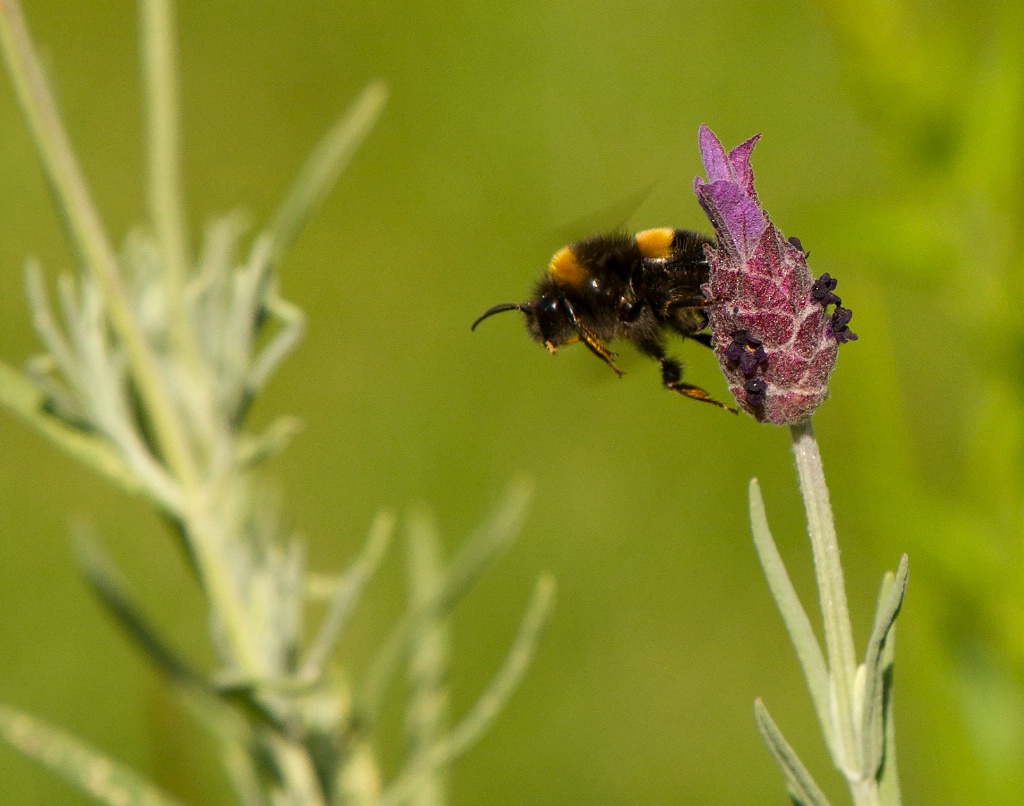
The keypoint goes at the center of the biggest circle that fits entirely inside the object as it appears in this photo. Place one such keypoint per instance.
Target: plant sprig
(852, 701)
(152, 358)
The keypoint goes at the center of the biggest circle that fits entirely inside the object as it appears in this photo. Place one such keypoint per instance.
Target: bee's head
(548, 319)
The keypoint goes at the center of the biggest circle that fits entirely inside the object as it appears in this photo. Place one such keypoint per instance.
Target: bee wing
(611, 218)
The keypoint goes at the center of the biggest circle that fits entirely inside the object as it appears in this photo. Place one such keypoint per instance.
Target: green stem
(209, 542)
(166, 198)
(839, 647)
(865, 793)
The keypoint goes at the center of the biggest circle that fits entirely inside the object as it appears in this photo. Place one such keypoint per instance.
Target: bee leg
(688, 321)
(672, 374)
(696, 393)
(592, 341)
(598, 349)
(684, 302)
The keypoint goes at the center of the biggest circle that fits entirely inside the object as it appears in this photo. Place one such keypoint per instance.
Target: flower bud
(770, 327)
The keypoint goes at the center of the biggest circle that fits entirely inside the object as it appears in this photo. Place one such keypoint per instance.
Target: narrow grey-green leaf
(508, 677)
(426, 712)
(876, 671)
(241, 771)
(347, 593)
(799, 782)
(106, 583)
(226, 723)
(256, 449)
(489, 704)
(487, 543)
(20, 396)
(44, 321)
(888, 776)
(801, 633)
(325, 164)
(479, 551)
(292, 325)
(105, 780)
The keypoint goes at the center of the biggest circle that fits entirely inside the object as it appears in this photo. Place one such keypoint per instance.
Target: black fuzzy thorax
(614, 264)
(670, 288)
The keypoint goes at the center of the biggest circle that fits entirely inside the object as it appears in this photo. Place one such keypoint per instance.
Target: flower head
(770, 328)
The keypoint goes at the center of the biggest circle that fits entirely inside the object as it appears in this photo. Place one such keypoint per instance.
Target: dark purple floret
(756, 390)
(794, 241)
(747, 351)
(840, 320)
(823, 288)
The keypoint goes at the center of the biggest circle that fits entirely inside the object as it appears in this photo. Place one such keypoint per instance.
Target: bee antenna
(505, 306)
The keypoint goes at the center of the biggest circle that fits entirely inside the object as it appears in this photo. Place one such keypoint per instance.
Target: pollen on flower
(775, 338)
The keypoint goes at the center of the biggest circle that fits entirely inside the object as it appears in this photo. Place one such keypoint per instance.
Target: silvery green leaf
(888, 777)
(101, 778)
(473, 725)
(346, 595)
(487, 543)
(877, 673)
(508, 676)
(426, 711)
(325, 164)
(61, 402)
(801, 786)
(292, 325)
(105, 582)
(19, 395)
(484, 546)
(45, 322)
(794, 616)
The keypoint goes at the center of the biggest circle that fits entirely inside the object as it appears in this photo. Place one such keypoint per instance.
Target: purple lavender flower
(775, 340)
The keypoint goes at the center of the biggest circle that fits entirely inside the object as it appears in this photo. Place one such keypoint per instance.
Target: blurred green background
(892, 135)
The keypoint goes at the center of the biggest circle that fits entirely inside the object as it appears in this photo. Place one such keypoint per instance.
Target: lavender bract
(770, 327)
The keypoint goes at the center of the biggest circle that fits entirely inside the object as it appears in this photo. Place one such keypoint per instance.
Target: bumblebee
(618, 286)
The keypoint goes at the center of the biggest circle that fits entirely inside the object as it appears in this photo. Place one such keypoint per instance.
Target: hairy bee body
(618, 286)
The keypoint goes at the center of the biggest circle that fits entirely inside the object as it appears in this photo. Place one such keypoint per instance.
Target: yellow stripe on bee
(565, 269)
(656, 244)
